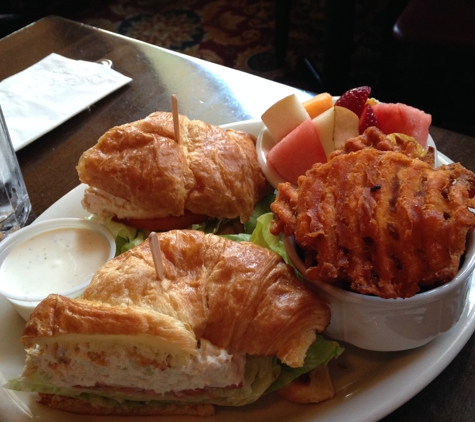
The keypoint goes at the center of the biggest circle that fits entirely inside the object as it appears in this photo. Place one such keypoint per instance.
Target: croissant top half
(139, 170)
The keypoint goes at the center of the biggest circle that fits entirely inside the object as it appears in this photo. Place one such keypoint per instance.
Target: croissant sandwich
(140, 174)
(226, 323)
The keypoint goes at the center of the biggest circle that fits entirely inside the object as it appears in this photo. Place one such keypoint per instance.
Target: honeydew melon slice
(284, 116)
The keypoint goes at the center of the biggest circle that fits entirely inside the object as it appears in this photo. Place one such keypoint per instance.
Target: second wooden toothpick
(156, 255)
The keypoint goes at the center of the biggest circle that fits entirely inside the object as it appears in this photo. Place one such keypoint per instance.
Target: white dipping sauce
(54, 261)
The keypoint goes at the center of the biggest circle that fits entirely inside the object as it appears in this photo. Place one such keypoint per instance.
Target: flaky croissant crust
(210, 171)
(239, 296)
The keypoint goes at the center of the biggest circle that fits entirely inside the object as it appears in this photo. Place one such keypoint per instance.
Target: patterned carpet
(240, 34)
(237, 34)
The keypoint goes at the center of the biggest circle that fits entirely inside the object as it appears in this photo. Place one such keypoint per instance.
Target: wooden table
(205, 91)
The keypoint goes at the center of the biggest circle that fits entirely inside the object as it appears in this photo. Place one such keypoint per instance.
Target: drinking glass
(14, 201)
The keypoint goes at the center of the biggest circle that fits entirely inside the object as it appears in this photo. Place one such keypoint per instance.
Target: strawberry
(355, 99)
(367, 119)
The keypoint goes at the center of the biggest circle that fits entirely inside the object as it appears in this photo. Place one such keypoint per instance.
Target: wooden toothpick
(156, 255)
(176, 118)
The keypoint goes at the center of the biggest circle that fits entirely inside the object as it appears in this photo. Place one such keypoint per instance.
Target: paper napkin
(50, 92)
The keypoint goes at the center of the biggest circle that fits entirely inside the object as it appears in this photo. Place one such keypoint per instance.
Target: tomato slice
(165, 223)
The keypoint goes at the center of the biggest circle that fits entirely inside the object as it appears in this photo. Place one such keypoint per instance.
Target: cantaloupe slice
(284, 116)
(402, 118)
(297, 152)
(318, 104)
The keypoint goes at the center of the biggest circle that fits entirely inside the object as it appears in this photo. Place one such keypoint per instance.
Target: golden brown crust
(384, 223)
(396, 142)
(138, 170)
(76, 405)
(57, 315)
(239, 296)
(142, 164)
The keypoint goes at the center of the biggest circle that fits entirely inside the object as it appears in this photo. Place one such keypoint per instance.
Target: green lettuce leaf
(262, 207)
(126, 237)
(262, 236)
(213, 226)
(320, 352)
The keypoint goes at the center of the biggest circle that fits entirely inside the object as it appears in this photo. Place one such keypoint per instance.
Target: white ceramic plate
(369, 385)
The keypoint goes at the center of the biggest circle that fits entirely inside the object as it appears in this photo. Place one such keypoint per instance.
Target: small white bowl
(25, 282)
(377, 324)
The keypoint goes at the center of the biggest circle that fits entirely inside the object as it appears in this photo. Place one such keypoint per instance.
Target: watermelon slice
(401, 118)
(297, 152)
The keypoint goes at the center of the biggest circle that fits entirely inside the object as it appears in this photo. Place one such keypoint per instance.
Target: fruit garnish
(354, 99)
(367, 119)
